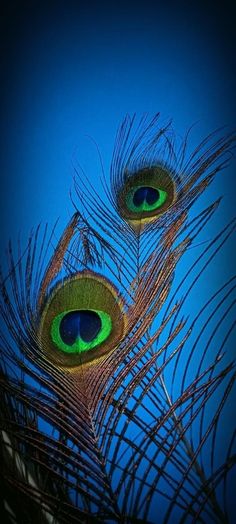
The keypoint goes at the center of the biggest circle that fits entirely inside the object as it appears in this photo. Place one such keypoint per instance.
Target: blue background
(74, 69)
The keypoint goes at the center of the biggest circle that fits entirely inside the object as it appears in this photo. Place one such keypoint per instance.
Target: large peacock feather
(113, 400)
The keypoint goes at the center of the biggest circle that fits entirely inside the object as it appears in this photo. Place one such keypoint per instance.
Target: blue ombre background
(72, 69)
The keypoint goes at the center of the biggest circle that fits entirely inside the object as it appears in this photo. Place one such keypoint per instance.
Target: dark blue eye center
(82, 323)
(150, 195)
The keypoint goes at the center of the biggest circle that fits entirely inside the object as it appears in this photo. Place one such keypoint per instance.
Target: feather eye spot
(145, 198)
(83, 319)
(80, 330)
(146, 195)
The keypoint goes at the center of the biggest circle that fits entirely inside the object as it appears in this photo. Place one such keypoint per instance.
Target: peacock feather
(113, 399)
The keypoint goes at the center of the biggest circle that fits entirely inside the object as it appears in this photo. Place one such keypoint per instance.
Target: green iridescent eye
(82, 320)
(145, 198)
(146, 195)
(80, 330)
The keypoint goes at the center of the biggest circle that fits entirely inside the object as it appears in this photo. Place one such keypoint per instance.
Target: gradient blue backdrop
(76, 68)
